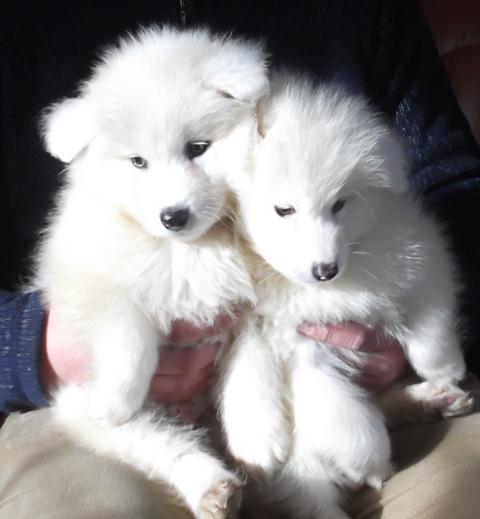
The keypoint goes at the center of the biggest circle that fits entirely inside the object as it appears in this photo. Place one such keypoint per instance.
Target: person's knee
(45, 475)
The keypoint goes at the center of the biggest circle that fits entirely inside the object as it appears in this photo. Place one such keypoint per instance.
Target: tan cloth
(44, 476)
(438, 474)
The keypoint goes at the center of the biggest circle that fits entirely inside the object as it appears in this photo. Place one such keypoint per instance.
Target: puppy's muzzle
(174, 218)
(324, 271)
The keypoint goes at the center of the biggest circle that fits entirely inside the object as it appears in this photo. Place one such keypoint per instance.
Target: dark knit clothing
(21, 321)
(377, 48)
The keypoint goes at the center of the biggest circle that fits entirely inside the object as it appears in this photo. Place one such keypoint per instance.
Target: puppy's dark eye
(139, 162)
(194, 149)
(338, 205)
(284, 211)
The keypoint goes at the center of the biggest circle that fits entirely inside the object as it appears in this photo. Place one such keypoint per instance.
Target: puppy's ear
(394, 168)
(238, 69)
(67, 128)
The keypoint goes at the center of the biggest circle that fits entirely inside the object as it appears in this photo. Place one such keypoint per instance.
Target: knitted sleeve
(21, 323)
(408, 81)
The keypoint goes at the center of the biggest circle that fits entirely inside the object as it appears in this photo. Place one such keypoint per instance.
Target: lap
(45, 475)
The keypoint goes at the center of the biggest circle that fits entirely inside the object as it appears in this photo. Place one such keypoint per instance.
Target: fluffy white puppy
(140, 236)
(336, 237)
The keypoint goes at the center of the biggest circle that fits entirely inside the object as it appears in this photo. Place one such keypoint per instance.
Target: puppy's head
(153, 132)
(323, 167)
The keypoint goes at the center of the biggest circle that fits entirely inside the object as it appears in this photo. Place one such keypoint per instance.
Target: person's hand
(182, 372)
(386, 362)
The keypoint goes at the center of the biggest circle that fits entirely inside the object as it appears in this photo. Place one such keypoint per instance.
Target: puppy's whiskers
(366, 271)
(231, 216)
(210, 213)
(382, 261)
(350, 246)
(366, 253)
(227, 218)
(272, 275)
(362, 198)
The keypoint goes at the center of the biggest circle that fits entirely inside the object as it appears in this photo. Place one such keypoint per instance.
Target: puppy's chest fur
(281, 315)
(194, 281)
(84, 267)
(284, 304)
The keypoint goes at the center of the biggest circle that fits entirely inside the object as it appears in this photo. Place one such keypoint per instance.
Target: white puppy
(140, 236)
(336, 237)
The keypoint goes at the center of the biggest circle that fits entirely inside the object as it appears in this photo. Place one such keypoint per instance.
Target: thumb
(349, 335)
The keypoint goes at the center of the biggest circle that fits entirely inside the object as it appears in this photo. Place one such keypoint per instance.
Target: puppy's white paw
(210, 490)
(373, 476)
(377, 478)
(222, 500)
(425, 401)
(448, 400)
(261, 453)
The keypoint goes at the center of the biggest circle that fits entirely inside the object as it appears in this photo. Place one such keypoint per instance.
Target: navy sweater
(378, 48)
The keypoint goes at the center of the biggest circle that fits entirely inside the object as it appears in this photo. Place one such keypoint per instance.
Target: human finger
(169, 389)
(349, 335)
(179, 361)
(383, 369)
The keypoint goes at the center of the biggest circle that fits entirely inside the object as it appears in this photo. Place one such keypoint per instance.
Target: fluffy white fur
(115, 272)
(311, 428)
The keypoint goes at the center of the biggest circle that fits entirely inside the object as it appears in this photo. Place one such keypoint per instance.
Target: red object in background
(455, 26)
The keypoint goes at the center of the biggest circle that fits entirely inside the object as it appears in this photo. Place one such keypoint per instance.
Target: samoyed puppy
(141, 235)
(334, 236)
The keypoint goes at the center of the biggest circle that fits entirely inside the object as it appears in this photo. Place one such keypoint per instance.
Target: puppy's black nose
(174, 219)
(324, 271)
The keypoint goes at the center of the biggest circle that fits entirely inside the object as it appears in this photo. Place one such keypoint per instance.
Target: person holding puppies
(379, 48)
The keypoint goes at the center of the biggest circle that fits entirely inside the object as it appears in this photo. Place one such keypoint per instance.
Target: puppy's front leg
(125, 348)
(252, 404)
(335, 418)
(433, 346)
(159, 448)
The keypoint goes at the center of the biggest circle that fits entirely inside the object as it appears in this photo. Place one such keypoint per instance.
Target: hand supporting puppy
(182, 373)
(386, 362)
